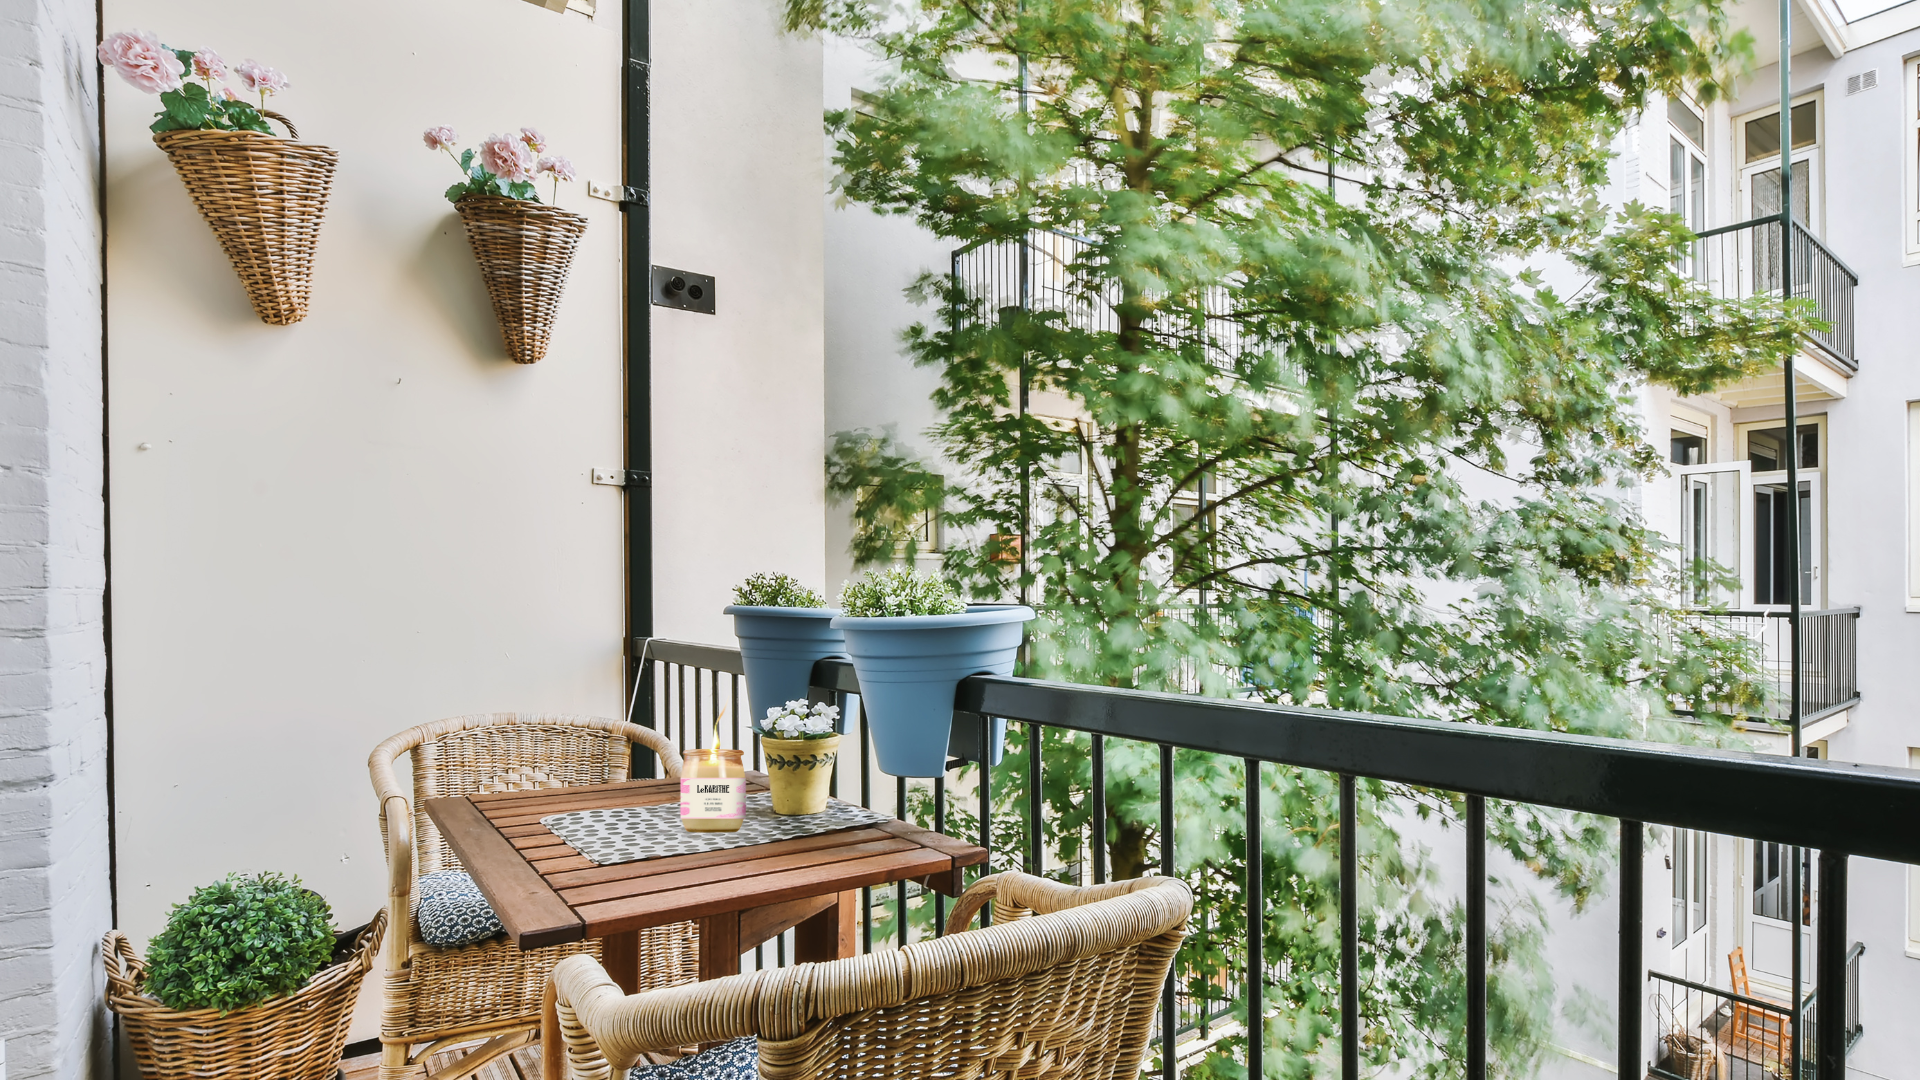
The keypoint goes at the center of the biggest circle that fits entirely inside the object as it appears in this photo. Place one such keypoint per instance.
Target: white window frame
(1913, 881)
(1814, 477)
(1913, 506)
(1696, 184)
(1812, 155)
(1910, 167)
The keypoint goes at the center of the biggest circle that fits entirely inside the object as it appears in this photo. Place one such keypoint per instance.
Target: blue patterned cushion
(451, 910)
(738, 1059)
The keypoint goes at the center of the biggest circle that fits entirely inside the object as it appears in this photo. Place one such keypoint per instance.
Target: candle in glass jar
(713, 791)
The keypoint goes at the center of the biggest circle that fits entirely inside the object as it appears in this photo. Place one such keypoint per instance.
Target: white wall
(871, 259)
(54, 892)
(372, 519)
(738, 167)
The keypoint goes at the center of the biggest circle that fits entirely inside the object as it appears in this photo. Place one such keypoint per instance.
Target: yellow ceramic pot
(799, 771)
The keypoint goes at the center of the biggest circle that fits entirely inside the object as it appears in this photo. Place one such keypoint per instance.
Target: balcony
(1228, 979)
(1705, 1030)
(1829, 660)
(1746, 260)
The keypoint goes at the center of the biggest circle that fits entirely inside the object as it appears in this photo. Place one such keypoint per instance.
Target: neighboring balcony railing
(1703, 1032)
(684, 690)
(1747, 259)
(1829, 657)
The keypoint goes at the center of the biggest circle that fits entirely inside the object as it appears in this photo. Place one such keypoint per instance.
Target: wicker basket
(1689, 1055)
(524, 250)
(297, 1037)
(264, 197)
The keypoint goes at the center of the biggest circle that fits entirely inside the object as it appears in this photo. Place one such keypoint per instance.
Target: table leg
(828, 935)
(719, 946)
(620, 955)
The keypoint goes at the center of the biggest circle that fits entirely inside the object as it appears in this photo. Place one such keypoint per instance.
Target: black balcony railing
(1747, 260)
(1864, 811)
(1829, 658)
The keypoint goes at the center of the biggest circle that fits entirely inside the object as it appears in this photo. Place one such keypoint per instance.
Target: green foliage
(239, 942)
(775, 590)
(194, 108)
(1312, 442)
(895, 592)
(480, 181)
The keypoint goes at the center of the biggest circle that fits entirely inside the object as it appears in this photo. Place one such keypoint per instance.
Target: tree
(1348, 343)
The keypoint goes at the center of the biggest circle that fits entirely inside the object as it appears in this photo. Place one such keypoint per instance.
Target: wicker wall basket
(264, 197)
(297, 1037)
(524, 250)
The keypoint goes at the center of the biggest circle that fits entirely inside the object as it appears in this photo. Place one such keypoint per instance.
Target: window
(1913, 881)
(1913, 506)
(1689, 883)
(1760, 164)
(1910, 212)
(1687, 174)
(1772, 881)
(1687, 448)
(1765, 449)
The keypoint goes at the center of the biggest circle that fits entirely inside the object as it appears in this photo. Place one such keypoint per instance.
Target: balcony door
(1769, 909)
(1688, 928)
(1716, 520)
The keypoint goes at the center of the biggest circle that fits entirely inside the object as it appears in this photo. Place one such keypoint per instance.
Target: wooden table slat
(533, 913)
(963, 853)
(738, 873)
(657, 909)
(595, 874)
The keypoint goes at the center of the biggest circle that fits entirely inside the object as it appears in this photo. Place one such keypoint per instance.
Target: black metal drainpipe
(636, 261)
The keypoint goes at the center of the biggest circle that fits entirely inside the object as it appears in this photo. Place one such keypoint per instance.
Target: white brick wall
(54, 892)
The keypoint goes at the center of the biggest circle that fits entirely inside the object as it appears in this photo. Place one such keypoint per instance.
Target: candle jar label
(713, 797)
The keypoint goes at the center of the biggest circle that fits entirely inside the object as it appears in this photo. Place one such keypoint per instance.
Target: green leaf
(193, 91)
(455, 192)
(466, 158)
(521, 189)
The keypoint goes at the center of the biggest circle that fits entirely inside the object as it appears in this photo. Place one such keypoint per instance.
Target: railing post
(1169, 1022)
(1632, 896)
(1830, 968)
(1256, 930)
(1349, 931)
(1476, 938)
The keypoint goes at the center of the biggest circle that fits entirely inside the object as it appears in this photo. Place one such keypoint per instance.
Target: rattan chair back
(490, 989)
(1063, 985)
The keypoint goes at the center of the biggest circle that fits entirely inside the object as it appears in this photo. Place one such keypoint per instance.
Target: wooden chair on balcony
(1063, 984)
(1759, 1035)
(489, 992)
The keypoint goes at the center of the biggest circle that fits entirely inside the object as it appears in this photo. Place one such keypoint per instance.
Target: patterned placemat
(631, 833)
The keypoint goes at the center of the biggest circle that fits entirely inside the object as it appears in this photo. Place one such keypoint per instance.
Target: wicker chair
(1069, 992)
(439, 997)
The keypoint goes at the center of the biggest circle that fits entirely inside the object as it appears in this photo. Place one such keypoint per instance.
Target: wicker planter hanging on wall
(297, 1037)
(524, 250)
(264, 197)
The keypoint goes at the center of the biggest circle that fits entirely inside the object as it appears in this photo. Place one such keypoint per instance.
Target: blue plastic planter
(778, 646)
(909, 668)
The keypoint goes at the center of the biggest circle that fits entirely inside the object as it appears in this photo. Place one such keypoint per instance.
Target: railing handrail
(1865, 809)
(1774, 219)
(1780, 1007)
(1769, 613)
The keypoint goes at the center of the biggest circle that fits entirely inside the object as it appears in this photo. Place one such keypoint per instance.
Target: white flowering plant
(896, 592)
(798, 719)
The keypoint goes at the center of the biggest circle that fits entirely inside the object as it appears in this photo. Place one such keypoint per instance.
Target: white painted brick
(53, 829)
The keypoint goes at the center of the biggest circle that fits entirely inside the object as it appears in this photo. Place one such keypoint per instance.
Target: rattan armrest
(591, 1011)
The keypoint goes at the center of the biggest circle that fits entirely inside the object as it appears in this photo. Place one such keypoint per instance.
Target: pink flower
(227, 93)
(140, 59)
(208, 65)
(534, 140)
(507, 158)
(439, 138)
(557, 167)
(259, 78)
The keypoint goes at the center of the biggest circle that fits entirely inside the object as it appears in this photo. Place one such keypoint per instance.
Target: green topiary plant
(890, 593)
(775, 590)
(239, 942)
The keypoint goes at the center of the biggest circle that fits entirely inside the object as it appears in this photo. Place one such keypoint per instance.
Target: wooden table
(547, 893)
